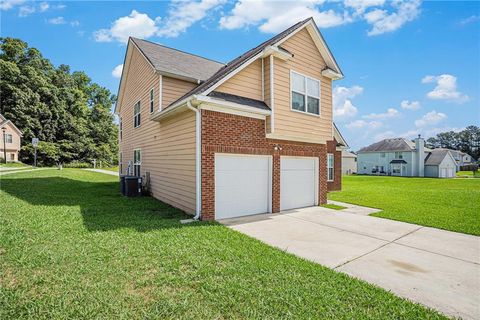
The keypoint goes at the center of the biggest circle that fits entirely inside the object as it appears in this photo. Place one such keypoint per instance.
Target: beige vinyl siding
(174, 89)
(167, 147)
(266, 88)
(307, 61)
(247, 83)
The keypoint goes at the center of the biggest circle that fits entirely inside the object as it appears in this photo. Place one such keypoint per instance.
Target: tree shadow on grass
(102, 206)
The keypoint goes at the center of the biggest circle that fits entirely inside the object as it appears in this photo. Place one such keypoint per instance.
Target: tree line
(67, 111)
(467, 140)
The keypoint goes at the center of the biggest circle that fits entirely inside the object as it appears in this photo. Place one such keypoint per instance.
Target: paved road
(437, 268)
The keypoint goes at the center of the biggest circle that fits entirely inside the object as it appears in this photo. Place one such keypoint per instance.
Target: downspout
(198, 161)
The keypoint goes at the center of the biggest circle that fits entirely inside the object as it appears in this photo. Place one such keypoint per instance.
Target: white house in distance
(401, 157)
(349, 162)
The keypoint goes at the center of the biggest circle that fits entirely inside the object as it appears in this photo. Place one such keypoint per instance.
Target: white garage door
(242, 185)
(298, 182)
(447, 173)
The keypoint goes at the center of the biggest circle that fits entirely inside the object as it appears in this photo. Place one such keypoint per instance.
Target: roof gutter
(177, 76)
(329, 73)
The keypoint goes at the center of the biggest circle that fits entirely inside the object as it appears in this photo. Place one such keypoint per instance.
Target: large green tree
(467, 140)
(65, 110)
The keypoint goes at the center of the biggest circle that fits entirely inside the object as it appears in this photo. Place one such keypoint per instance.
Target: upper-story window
(152, 100)
(382, 154)
(398, 155)
(9, 138)
(305, 93)
(136, 115)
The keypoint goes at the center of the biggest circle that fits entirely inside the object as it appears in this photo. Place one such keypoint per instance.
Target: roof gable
(237, 64)
(7, 123)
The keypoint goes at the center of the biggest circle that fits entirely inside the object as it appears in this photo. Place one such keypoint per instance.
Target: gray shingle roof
(394, 144)
(435, 157)
(177, 62)
(238, 99)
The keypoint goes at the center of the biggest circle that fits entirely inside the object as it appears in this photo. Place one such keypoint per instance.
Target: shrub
(78, 165)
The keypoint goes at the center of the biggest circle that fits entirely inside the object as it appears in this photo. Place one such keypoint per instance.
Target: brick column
(322, 173)
(276, 183)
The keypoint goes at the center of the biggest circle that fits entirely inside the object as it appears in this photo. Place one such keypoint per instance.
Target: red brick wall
(226, 133)
(336, 184)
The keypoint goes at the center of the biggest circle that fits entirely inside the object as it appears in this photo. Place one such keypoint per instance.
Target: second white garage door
(298, 182)
(242, 185)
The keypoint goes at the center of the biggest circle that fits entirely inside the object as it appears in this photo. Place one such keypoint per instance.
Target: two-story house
(402, 157)
(218, 140)
(10, 143)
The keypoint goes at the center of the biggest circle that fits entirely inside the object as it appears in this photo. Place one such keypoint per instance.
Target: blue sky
(410, 67)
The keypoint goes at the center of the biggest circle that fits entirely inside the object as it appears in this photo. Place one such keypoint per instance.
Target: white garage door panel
(241, 185)
(297, 182)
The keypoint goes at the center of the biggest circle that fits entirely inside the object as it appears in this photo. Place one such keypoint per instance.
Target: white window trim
(160, 93)
(7, 135)
(137, 163)
(332, 167)
(306, 95)
(135, 114)
(151, 108)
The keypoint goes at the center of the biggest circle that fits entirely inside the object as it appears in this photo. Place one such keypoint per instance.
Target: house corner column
(276, 183)
(322, 175)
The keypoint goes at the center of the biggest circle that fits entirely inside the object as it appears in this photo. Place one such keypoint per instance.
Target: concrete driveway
(437, 268)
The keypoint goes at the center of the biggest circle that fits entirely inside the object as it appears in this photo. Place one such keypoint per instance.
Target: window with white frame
(305, 93)
(136, 115)
(120, 129)
(137, 162)
(9, 138)
(398, 155)
(382, 154)
(152, 100)
(120, 163)
(330, 167)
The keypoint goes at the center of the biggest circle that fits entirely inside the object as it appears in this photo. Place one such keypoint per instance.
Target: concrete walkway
(2, 173)
(437, 268)
(112, 173)
(5, 169)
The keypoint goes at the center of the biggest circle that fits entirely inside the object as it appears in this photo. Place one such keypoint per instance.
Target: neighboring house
(11, 142)
(349, 162)
(401, 157)
(251, 136)
(440, 163)
(461, 158)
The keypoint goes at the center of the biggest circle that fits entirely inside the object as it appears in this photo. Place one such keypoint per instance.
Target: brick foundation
(226, 133)
(336, 184)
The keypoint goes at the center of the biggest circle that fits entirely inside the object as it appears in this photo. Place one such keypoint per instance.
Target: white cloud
(272, 16)
(57, 20)
(361, 5)
(183, 14)
(43, 6)
(25, 11)
(9, 4)
(361, 124)
(117, 71)
(342, 101)
(414, 105)
(430, 119)
(471, 19)
(136, 25)
(75, 23)
(384, 135)
(446, 88)
(383, 21)
(391, 113)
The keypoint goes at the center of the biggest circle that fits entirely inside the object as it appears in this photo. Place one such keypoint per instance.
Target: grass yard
(451, 204)
(72, 247)
(333, 206)
(113, 169)
(13, 165)
(468, 174)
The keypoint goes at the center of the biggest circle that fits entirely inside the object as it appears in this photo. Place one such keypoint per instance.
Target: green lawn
(451, 204)
(333, 206)
(72, 247)
(13, 165)
(467, 174)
